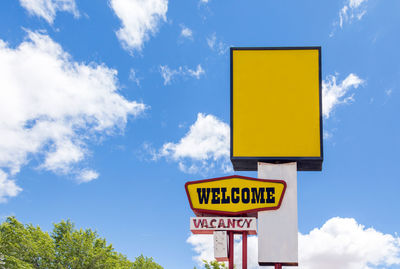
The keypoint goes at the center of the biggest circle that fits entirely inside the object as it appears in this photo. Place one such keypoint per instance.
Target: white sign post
(277, 229)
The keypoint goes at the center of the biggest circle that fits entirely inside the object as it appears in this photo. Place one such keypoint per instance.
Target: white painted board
(221, 246)
(277, 229)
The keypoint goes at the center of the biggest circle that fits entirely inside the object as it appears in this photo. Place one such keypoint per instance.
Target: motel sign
(276, 130)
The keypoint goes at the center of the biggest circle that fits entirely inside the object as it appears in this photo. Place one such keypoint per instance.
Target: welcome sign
(234, 195)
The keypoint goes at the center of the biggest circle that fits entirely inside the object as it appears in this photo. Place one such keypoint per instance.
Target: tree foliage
(214, 265)
(142, 262)
(28, 247)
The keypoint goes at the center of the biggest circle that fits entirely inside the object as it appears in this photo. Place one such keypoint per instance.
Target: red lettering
(238, 222)
(211, 223)
(221, 223)
(204, 224)
(231, 223)
(196, 223)
(247, 221)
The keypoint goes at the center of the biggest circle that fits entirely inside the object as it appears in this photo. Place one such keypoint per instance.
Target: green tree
(142, 262)
(26, 247)
(82, 249)
(214, 265)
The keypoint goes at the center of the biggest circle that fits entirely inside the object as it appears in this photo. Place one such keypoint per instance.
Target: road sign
(234, 195)
(276, 107)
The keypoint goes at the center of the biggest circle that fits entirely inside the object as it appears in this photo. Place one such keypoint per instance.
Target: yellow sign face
(276, 107)
(234, 195)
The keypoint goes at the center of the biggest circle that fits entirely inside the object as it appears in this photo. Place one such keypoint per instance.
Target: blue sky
(106, 110)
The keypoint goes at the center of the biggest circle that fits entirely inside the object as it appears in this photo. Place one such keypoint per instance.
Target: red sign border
(240, 213)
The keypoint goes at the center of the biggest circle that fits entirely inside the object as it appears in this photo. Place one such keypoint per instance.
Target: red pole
(244, 250)
(278, 266)
(231, 249)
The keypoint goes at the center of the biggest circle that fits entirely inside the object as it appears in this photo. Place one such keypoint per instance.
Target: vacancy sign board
(276, 107)
(234, 195)
(207, 225)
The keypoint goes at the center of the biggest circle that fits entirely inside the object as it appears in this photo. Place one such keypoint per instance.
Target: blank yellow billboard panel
(276, 111)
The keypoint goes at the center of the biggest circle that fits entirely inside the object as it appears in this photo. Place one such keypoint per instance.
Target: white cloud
(339, 243)
(196, 73)
(334, 94)
(211, 40)
(47, 9)
(87, 176)
(186, 32)
(216, 45)
(133, 76)
(139, 18)
(353, 9)
(64, 152)
(168, 74)
(343, 243)
(203, 146)
(203, 245)
(51, 106)
(8, 188)
(327, 134)
(389, 92)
